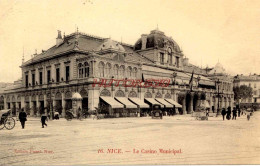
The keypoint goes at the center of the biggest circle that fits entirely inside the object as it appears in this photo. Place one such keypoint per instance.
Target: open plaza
(176, 139)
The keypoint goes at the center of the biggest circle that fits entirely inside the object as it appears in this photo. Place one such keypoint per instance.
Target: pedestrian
(223, 113)
(234, 113)
(43, 118)
(207, 112)
(22, 117)
(229, 113)
(239, 111)
(248, 117)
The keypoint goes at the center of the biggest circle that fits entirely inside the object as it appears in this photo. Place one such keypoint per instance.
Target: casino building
(73, 66)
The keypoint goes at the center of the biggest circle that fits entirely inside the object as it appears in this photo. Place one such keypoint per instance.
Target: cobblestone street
(82, 142)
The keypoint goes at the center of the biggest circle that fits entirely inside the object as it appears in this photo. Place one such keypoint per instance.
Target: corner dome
(218, 69)
(109, 44)
(157, 39)
(76, 96)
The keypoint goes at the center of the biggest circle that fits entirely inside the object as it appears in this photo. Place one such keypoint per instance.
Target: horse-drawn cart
(6, 120)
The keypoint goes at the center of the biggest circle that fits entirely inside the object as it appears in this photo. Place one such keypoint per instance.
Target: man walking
(234, 113)
(223, 113)
(44, 117)
(22, 118)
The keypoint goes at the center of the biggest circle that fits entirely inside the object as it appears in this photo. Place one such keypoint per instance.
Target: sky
(207, 31)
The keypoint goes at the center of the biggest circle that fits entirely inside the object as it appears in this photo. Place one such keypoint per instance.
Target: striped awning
(139, 102)
(165, 103)
(153, 101)
(174, 103)
(112, 102)
(126, 102)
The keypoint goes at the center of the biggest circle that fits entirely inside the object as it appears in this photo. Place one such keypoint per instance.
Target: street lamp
(112, 89)
(218, 109)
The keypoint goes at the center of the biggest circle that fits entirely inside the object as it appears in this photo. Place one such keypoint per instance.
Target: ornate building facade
(252, 81)
(78, 62)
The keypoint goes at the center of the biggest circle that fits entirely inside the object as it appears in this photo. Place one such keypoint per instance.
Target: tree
(242, 92)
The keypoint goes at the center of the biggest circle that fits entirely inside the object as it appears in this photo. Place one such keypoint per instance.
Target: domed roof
(110, 44)
(76, 96)
(218, 69)
(157, 39)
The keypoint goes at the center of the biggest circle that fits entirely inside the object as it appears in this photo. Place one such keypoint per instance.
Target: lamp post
(218, 109)
(112, 88)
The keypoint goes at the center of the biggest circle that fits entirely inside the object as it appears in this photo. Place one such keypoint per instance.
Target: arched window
(80, 70)
(129, 71)
(86, 69)
(122, 71)
(134, 74)
(108, 69)
(101, 67)
(116, 72)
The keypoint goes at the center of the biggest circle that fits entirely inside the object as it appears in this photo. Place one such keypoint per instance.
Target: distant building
(252, 81)
(79, 61)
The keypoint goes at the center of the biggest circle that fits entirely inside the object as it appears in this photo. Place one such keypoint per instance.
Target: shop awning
(165, 103)
(174, 103)
(153, 101)
(112, 102)
(126, 102)
(139, 102)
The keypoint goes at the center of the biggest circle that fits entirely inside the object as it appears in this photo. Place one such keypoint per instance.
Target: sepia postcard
(129, 82)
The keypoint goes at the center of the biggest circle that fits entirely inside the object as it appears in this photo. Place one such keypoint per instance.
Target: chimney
(59, 39)
(144, 41)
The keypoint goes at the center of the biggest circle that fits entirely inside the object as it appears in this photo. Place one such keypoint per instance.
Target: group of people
(236, 112)
(23, 118)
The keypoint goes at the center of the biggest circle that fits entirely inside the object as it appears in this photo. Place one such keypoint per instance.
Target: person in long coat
(228, 113)
(234, 113)
(22, 118)
(223, 113)
(43, 118)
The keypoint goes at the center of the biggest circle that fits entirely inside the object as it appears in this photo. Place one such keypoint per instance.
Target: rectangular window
(33, 79)
(57, 74)
(40, 77)
(67, 73)
(161, 58)
(170, 59)
(49, 76)
(26, 81)
(177, 62)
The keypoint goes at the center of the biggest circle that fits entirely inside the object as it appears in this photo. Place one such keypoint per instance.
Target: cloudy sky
(208, 31)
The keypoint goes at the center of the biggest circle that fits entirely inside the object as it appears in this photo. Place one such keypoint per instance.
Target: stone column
(210, 103)
(222, 103)
(63, 103)
(5, 103)
(11, 107)
(22, 102)
(37, 105)
(17, 107)
(191, 104)
(184, 105)
(93, 97)
(45, 100)
(226, 103)
(31, 105)
(232, 101)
